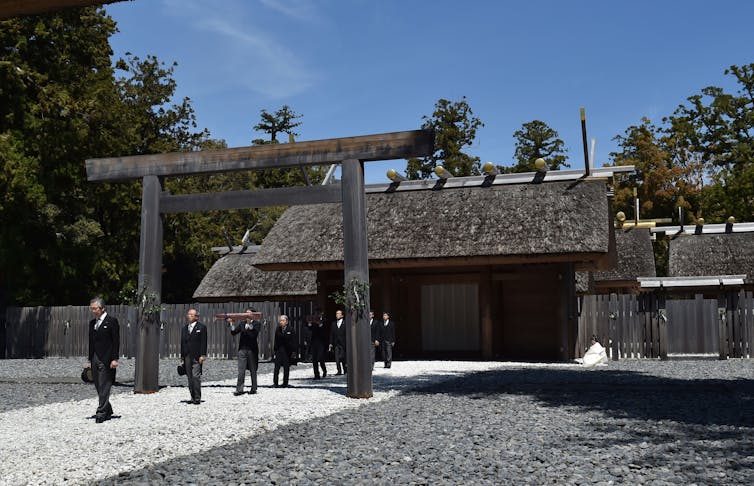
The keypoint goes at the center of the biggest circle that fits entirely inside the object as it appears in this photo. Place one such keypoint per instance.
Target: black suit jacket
(285, 341)
(319, 332)
(338, 336)
(194, 344)
(248, 339)
(104, 342)
(388, 332)
(374, 328)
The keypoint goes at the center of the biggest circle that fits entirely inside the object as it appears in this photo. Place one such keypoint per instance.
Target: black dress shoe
(338, 373)
(237, 393)
(275, 386)
(196, 402)
(252, 392)
(316, 377)
(99, 420)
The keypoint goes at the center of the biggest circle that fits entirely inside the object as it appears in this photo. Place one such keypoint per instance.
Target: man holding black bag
(285, 345)
(194, 353)
(104, 350)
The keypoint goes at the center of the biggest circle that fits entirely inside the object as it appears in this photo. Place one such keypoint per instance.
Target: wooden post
(662, 323)
(485, 297)
(722, 311)
(570, 313)
(356, 263)
(613, 317)
(150, 278)
(734, 326)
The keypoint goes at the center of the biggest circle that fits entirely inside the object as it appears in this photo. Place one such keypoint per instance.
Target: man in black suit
(194, 353)
(104, 350)
(387, 341)
(248, 350)
(285, 344)
(338, 341)
(374, 329)
(318, 332)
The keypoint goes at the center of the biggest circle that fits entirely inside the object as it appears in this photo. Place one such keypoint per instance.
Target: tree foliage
(661, 184)
(282, 121)
(715, 130)
(536, 140)
(455, 128)
(61, 102)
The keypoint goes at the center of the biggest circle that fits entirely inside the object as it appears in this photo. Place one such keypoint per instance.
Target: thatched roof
(712, 254)
(635, 258)
(556, 221)
(234, 278)
(584, 282)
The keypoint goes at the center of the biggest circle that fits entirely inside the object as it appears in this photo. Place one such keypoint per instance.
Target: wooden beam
(385, 146)
(256, 198)
(16, 8)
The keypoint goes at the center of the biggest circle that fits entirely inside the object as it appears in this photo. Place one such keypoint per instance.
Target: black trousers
(340, 358)
(194, 377)
(318, 358)
(387, 352)
(248, 359)
(103, 376)
(282, 360)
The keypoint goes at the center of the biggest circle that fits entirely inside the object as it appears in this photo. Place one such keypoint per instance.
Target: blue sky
(357, 67)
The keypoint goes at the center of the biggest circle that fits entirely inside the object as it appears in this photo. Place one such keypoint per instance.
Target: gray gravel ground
(632, 422)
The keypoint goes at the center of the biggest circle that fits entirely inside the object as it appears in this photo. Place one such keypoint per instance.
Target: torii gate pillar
(356, 263)
(147, 367)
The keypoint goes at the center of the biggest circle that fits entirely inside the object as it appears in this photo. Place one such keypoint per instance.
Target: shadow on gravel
(617, 393)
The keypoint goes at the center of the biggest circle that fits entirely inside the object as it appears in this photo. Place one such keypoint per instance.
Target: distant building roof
(546, 222)
(712, 254)
(234, 278)
(635, 258)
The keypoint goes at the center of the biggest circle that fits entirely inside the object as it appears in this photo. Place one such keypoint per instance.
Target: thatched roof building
(712, 254)
(234, 278)
(473, 270)
(524, 223)
(635, 258)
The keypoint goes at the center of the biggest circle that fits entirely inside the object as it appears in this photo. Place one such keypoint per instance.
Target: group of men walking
(104, 350)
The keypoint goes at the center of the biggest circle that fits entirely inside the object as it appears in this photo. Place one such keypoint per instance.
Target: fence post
(722, 327)
(662, 322)
(613, 318)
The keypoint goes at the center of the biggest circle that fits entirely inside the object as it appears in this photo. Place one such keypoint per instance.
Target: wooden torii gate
(350, 152)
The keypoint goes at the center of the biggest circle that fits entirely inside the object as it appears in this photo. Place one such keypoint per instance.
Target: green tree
(282, 121)
(455, 127)
(56, 91)
(536, 140)
(660, 182)
(61, 102)
(716, 131)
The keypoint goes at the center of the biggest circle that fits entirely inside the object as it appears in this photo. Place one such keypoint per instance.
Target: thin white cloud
(244, 53)
(296, 9)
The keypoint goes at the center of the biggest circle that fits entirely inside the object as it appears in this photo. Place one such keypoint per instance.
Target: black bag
(87, 376)
(181, 370)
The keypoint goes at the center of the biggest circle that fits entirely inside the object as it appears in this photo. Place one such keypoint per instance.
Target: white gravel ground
(61, 443)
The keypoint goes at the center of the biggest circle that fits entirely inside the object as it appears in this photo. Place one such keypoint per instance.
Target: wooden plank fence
(629, 326)
(38, 332)
(648, 326)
